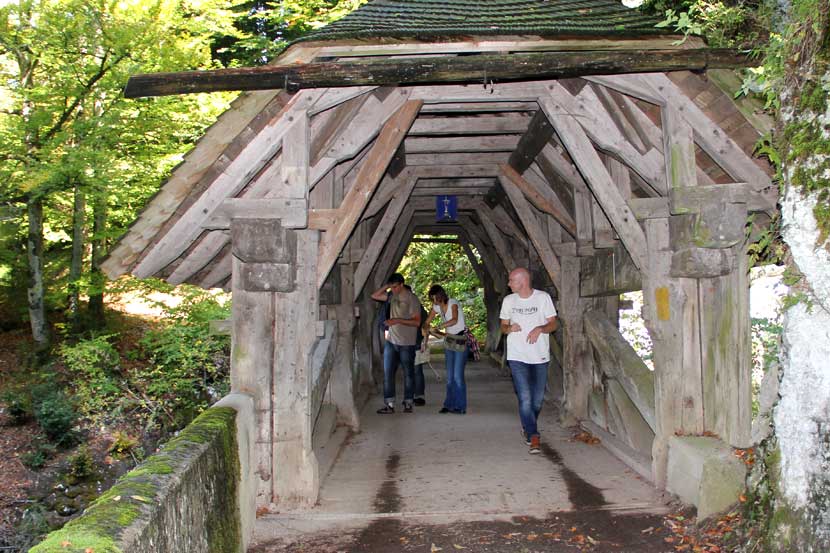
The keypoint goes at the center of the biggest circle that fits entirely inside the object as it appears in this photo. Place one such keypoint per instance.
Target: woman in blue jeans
(455, 347)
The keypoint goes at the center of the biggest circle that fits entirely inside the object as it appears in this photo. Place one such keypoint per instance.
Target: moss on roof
(432, 19)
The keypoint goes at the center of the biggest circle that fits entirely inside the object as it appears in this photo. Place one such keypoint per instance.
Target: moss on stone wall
(134, 498)
(804, 137)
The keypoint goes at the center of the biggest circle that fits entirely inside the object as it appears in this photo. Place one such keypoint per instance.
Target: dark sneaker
(525, 438)
(444, 411)
(535, 446)
(407, 407)
(386, 410)
(419, 401)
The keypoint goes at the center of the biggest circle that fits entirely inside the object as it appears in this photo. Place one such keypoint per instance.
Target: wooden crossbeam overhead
(539, 132)
(531, 225)
(443, 183)
(380, 236)
(401, 233)
(463, 158)
(596, 176)
(259, 151)
(479, 107)
(496, 238)
(600, 127)
(480, 124)
(710, 137)
(386, 190)
(542, 198)
(324, 50)
(357, 198)
(493, 143)
(361, 130)
(492, 263)
(458, 69)
(454, 191)
(642, 125)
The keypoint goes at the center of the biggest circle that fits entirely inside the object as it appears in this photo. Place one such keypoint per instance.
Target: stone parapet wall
(191, 496)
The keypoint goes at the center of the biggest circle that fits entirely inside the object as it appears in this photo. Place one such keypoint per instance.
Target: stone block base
(703, 471)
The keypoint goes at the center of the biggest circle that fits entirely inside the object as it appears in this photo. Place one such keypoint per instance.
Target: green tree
(71, 144)
(267, 27)
(428, 263)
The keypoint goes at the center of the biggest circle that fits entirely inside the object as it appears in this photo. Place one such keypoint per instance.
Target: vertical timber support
(671, 315)
(252, 358)
(297, 313)
(345, 381)
(578, 363)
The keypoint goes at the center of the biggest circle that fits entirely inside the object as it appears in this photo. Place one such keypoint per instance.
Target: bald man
(527, 319)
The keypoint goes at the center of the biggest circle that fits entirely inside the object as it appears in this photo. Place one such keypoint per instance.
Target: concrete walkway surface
(427, 468)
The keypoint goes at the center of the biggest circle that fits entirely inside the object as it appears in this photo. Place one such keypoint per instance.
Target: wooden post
(345, 379)
(252, 358)
(578, 363)
(671, 313)
(296, 481)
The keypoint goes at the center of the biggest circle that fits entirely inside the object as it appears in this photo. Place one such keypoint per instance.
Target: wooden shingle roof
(431, 19)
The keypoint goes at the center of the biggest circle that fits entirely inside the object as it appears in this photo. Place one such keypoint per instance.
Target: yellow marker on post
(661, 295)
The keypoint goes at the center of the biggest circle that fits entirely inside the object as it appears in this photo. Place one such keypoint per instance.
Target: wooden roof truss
(542, 169)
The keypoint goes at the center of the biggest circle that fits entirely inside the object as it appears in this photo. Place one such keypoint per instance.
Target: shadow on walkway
(427, 482)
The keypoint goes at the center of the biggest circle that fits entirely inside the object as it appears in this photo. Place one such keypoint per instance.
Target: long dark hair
(437, 291)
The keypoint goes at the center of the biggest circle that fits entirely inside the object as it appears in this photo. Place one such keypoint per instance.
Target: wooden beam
(599, 126)
(435, 240)
(357, 198)
(244, 167)
(479, 107)
(457, 126)
(496, 237)
(492, 263)
(361, 129)
(359, 48)
(386, 190)
(711, 138)
(458, 69)
(539, 132)
(541, 197)
(322, 219)
(381, 234)
(531, 225)
(399, 240)
(462, 158)
(292, 212)
(492, 143)
(596, 176)
(453, 191)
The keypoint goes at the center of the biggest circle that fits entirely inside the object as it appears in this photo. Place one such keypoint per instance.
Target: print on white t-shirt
(529, 313)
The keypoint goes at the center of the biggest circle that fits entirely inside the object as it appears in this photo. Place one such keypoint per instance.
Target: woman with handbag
(455, 346)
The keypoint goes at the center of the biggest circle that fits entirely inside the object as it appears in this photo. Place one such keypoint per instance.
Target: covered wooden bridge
(579, 141)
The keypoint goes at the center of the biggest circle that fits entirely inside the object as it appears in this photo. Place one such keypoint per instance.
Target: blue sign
(446, 209)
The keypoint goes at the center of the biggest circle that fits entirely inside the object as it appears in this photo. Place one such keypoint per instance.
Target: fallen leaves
(747, 456)
(585, 437)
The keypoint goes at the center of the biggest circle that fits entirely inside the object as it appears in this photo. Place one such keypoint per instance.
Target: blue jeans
(456, 399)
(529, 381)
(420, 384)
(393, 355)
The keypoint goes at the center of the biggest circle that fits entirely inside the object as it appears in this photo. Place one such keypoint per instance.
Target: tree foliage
(428, 263)
(67, 129)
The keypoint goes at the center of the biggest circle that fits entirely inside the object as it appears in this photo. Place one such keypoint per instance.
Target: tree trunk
(37, 308)
(76, 263)
(99, 248)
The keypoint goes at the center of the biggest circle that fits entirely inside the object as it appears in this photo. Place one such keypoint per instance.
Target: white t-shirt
(459, 324)
(528, 313)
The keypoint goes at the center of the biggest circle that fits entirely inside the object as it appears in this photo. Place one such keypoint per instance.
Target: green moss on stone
(136, 493)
